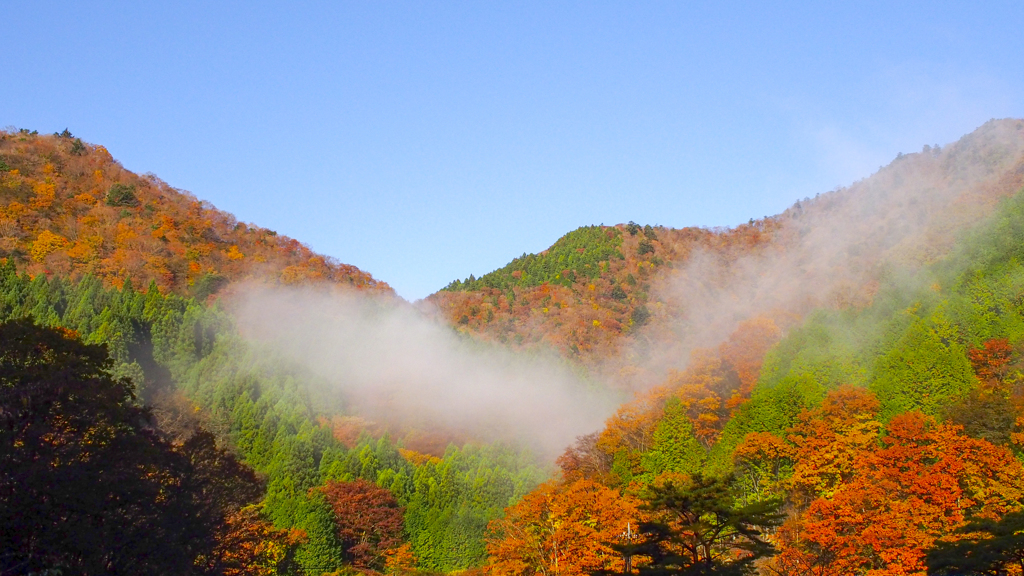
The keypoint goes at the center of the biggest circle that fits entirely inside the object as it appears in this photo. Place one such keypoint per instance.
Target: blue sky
(424, 141)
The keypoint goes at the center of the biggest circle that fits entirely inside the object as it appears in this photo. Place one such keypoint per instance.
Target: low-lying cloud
(396, 365)
(830, 252)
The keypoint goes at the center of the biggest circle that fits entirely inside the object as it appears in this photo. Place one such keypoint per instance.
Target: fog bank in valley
(396, 365)
(400, 365)
(831, 251)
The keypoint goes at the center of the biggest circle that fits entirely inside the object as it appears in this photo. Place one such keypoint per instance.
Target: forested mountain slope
(589, 290)
(880, 434)
(67, 208)
(633, 302)
(188, 359)
(840, 384)
(129, 263)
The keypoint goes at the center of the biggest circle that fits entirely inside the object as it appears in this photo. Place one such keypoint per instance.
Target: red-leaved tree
(369, 521)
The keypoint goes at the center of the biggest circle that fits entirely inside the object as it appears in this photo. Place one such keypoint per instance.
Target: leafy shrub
(640, 315)
(122, 195)
(208, 284)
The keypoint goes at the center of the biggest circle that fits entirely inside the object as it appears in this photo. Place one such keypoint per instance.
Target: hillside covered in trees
(633, 301)
(836, 389)
(71, 210)
(880, 435)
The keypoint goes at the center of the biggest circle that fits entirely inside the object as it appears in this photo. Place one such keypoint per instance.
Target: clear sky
(424, 141)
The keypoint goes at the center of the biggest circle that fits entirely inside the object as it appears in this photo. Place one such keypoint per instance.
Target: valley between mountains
(836, 389)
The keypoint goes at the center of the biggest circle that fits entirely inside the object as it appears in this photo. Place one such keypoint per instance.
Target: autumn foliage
(89, 487)
(828, 442)
(991, 361)
(714, 384)
(69, 209)
(586, 313)
(369, 521)
(561, 529)
(884, 413)
(249, 545)
(863, 496)
(920, 484)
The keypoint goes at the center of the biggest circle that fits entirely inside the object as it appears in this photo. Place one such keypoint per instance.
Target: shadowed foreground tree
(86, 483)
(988, 548)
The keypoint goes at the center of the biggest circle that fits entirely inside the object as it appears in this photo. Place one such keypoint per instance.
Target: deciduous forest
(834, 390)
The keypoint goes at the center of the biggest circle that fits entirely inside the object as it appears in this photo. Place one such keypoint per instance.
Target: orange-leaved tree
(561, 529)
(990, 361)
(630, 431)
(249, 545)
(829, 440)
(923, 482)
(745, 349)
(762, 461)
(585, 459)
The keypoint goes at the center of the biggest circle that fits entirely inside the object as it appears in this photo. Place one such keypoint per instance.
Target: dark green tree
(698, 529)
(989, 548)
(122, 195)
(640, 315)
(323, 551)
(675, 448)
(987, 415)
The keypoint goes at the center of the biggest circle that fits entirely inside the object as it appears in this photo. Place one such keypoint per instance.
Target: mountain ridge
(70, 209)
(872, 336)
(908, 213)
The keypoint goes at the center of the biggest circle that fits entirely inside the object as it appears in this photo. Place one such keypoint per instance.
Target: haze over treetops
(836, 389)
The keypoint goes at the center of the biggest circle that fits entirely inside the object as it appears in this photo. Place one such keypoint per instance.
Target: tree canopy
(87, 484)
